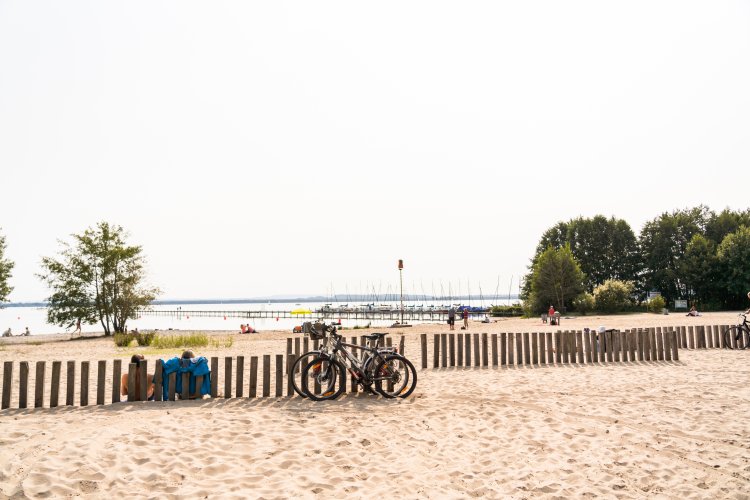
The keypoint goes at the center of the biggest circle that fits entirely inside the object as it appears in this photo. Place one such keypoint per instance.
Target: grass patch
(357, 327)
(179, 341)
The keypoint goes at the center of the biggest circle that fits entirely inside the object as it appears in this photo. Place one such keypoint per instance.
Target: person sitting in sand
(26, 333)
(136, 359)
(7, 333)
(693, 311)
(243, 328)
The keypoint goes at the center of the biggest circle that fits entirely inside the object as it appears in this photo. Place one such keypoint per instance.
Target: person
(243, 328)
(551, 312)
(693, 311)
(7, 333)
(26, 333)
(452, 317)
(466, 318)
(136, 359)
(486, 319)
(746, 312)
(78, 326)
(250, 329)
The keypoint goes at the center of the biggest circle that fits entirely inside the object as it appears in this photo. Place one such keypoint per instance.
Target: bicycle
(391, 374)
(738, 335)
(316, 331)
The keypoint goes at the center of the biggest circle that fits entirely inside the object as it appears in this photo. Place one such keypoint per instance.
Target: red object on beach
(277, 318)
(225, 318)
(187, 317)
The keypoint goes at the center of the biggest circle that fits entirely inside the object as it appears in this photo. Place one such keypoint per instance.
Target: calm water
(18, 318)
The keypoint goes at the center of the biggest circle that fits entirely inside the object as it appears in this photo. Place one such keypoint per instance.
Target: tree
(6, 266)
(699, 270)
(734, 258)
(663, 243)
(556, 279)
(99, 278)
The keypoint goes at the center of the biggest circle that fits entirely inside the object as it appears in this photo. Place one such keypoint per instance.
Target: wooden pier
(393, 315)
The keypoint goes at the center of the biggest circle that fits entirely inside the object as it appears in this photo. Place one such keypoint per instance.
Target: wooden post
(305, 345)
(494, 350)
(54, 394)
(511, 347)
(436, 351)
(214, 376)
(228, 376)
(290, 360)
(101, 375)
(503, 349)
(652, 335)
(84, 383)
(485, 350)
(564, 346)
(467, 350)
(402, 346)
(240, 381)
(587, 344)
(519, 353)
(558, 350)
(289, 345)
(185, 392)
(297, 347)
(266, 375)
(659, 344)
(717, 337)
(133, 394)
(691, 337)
(353, 382)
(683, 337)
(526, 349)
(172, 386)
(39, 384)
(460, 350)
(252, 391)
(616, 346)
(7, 380)
(579, 346)
(70, 384)
(279, 375)
(158, 380)
(444, 350)
(452, 348)
(534, 348)
(668, 344)
(476, 349)
(196, 394)
(143, 389)
(423, 342)
(675, 345)
(116, 379)
(23, 385)
(709, 336)
(608, 347)
(633, 342)
(549, 348)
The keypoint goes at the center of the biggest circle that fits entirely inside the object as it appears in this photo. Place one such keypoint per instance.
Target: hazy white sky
(259, 148)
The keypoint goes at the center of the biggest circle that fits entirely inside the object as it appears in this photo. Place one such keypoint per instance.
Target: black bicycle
(380, 371)
(738, 336)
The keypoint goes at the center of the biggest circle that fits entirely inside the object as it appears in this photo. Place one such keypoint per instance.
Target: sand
(635, 430)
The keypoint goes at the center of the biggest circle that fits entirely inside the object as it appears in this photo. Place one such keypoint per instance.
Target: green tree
(98, 278)
(663, 242)
(699, 270)
(720, 225)
(6, 266)
(557, 279)
(734, 258)
(613, 296)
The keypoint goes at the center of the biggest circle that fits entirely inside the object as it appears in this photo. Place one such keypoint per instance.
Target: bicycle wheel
(743, 338)
(731, 336)
(327, 376)
(395, 377)
(296, 371)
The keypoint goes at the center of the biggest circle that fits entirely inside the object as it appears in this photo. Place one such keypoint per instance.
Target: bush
(179, 341)
(145, 339)
(514, 310)
(656, 305)
(584, 303)
(613, 296)
(123, 339)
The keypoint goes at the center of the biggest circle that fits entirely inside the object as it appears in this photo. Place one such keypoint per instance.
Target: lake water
(18, 318)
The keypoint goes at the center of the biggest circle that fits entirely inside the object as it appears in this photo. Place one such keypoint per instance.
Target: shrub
(513, 310)
(656, 305)
(222, 342)
(123, 339)
(584, 303)
(613, 296)
(179, 341)
(144, 339)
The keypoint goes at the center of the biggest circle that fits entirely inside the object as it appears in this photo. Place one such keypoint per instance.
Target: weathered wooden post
(101, 375)
(54, 395)
(494, 350)
(228, 376)
(70, 384)
(444, 350)
(423, 342)
(279, 375)
(84, 383)
(436, 350)
(240, 380)
(266, 375)
(39, 384)
(252, 391)
(7, 381)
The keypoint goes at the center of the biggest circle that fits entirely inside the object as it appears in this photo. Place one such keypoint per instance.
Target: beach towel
(195, 367)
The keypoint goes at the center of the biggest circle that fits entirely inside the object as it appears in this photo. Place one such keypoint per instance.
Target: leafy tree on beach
(556, 279)
(97, 278)
(734, 259)
(6, 266)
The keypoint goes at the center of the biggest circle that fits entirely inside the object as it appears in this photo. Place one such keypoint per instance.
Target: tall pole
(401, 276)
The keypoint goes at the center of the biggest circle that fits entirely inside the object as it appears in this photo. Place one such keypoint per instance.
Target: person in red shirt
(551, 311)
(466, 319)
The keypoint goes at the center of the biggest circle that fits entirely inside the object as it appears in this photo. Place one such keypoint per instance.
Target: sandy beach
(634, 430)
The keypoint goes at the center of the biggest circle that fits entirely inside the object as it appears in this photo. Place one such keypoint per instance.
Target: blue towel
(195, 367)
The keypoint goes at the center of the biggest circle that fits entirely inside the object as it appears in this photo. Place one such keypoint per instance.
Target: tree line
(96, 278)
(693, 254)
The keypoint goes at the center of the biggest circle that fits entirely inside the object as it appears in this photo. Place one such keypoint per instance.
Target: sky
(293, 147)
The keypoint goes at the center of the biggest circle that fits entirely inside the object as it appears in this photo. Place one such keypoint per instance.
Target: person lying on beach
(137, 358)
(693, 312)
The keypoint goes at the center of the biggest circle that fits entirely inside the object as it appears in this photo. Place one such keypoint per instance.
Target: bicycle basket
(317, 331)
